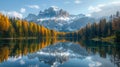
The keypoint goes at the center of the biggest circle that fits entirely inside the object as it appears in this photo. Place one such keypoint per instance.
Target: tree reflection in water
(36, 48)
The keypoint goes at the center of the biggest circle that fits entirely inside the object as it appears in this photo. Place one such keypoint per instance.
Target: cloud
(104, 9)
(34, 6)
(22, 62)
(13, 14)
(77, 1)
(93, 63)
(22, 10)
(88, 15)
(96, 8)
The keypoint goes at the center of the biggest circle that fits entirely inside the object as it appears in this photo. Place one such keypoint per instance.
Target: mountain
(59, 19)
(53, 12)
(59, 53)
(31, 17)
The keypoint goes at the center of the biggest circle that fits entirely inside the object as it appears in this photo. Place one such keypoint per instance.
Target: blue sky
(24, 7)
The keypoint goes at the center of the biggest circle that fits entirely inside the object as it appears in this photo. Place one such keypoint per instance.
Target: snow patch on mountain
(59, 19)
(54, 18)
(55, 8)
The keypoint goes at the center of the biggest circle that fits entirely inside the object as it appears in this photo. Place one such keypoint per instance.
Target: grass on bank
(109, 39)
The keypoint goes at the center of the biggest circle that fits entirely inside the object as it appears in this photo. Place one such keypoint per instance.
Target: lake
(58, 53)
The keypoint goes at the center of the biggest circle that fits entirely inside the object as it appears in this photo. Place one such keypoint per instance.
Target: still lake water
(58, 53)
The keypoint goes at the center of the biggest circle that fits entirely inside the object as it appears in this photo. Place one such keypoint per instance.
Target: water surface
(58, 53)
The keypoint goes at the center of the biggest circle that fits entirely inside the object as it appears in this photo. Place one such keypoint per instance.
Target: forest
(102, 29)
(15, 27)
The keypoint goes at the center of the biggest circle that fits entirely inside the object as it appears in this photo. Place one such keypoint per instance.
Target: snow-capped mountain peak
(59, 19)
(55, 8)
(53, 11)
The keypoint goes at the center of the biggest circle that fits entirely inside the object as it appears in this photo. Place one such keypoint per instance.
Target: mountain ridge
(59, 19)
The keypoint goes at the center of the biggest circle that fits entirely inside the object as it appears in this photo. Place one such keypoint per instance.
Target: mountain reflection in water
(58, 53)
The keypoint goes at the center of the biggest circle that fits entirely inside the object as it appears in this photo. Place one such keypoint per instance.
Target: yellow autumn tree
(4, 23)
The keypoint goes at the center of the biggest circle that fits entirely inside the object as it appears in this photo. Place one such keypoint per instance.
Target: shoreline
(110, 39)
(12, 38)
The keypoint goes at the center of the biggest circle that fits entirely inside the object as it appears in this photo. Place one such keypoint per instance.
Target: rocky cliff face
(59, 19)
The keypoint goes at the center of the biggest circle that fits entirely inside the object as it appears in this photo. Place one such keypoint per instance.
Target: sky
(21, 8)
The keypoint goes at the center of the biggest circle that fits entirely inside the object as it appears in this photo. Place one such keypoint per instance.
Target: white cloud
(77, 1)
(22, 10)
(104, 9)
(34, 6)
(88, 15)
(13, 14)
(96, 8)
(93, 63)
(22, 62)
